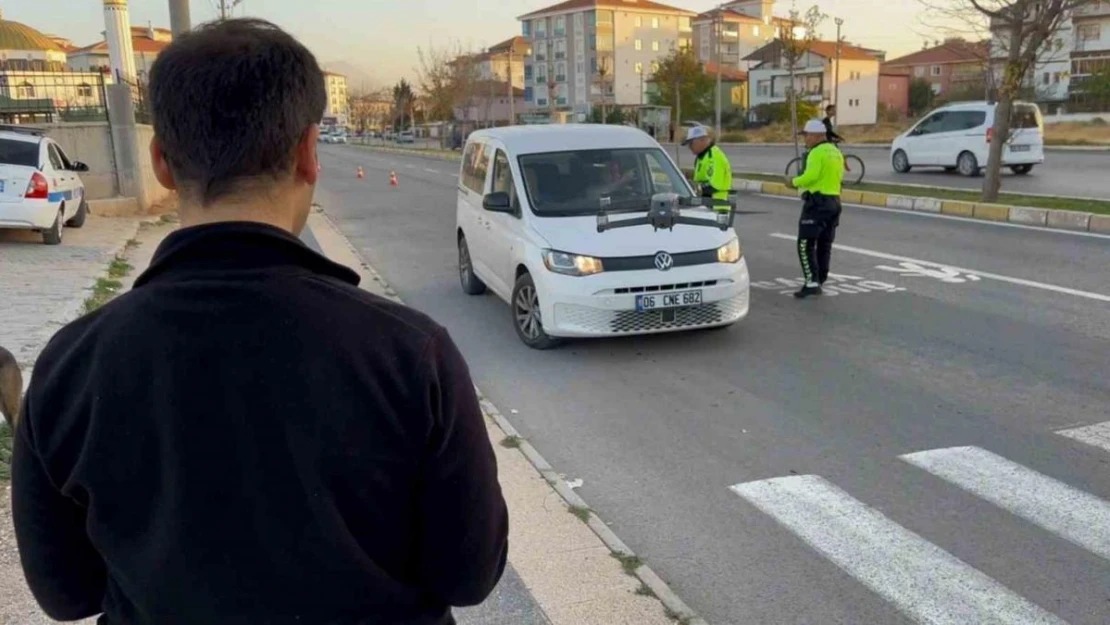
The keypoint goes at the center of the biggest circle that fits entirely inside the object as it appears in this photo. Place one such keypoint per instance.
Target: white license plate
(658, 301)
(1019, 148)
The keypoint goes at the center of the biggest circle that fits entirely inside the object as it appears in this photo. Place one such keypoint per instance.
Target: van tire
(900, 162)
(524, 305)
(1021, 170)
(968, 165)
(78, 220)
(471, 284)
(53, 234)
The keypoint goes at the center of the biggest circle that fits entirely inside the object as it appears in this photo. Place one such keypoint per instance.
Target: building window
(755, 31)
(560, 26)
(526, 28)
(935, 71)
(919, 71)
(655, 22)
(26, 90)
(1056, 78)
(655, 46)
(684, 24)
(541, 101)
(541, 28)
(84, 90)
(605, 18)
(639, 21)
(763, 88)
(655, 67)
(560, 72)
(1088, 32)
(639, 68)
(1047, 78)
(639, 45)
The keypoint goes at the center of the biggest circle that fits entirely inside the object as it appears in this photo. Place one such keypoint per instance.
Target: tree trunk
(1009, 88)
(793, 100)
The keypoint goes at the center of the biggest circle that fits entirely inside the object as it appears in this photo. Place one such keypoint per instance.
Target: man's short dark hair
(830, 107)
(230, 101)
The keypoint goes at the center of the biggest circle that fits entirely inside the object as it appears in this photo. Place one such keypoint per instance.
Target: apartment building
(815, 79)
(1090, 52)
(954, 66)
(1050, 77)
(587, 53)
(338, 108)
(739, 29)
(147, 42)
(505, 61)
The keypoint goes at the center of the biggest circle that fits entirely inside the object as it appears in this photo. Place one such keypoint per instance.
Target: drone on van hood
(665, 212)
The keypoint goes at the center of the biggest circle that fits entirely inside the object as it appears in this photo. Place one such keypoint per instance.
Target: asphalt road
(1069, 173)
(1000, 520)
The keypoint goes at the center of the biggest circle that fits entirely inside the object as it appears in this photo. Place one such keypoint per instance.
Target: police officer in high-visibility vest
(712, 171)
(820, 185)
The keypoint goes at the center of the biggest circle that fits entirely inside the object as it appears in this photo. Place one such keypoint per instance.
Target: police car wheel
(53, 234)
(78, 219)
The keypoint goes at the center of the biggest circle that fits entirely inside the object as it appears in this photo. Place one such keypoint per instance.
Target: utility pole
(677, 125)
(512, 96)
(836, 77)
(718, 23)
(179, 17)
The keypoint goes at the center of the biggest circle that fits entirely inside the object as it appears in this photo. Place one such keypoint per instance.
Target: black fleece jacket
(248, 438)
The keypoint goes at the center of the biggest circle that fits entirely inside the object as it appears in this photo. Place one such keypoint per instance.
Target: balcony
(560, 78)
(1092, 10)
(560, 56)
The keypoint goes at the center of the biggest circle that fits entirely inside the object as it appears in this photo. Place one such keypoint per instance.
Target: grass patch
(1009, 199)
(6, 441)
(119, 268)
(132, 244)
(628, 562)
(511, 442)
(644, 591)
(582, 512)
(102, 293)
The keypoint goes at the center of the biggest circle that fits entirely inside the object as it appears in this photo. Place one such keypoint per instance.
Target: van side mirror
(498, 202)
(78, 166)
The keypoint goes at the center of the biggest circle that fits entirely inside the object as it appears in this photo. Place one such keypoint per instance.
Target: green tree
(403, 101)
(1096, 89)
(921, 96)
(696, 89)
(796, 37)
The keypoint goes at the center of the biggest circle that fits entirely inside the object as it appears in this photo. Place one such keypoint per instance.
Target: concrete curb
(1071, 221)
(675, 606)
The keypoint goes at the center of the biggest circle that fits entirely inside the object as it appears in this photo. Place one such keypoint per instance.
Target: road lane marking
(945, 274)
(1071, 514)
(1097, 435)
(922, 580)
(982, 274)
(837, 284)
(432, 171)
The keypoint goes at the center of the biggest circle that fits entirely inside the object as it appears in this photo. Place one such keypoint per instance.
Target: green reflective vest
(824, 170)
(713, 173)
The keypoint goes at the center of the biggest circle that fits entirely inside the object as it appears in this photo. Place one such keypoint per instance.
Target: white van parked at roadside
(532, 204)
(957, 137)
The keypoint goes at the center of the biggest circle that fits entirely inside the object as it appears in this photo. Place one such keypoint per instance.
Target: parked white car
(528, 229)
(40, 188)
(957, 137)
(406, 137)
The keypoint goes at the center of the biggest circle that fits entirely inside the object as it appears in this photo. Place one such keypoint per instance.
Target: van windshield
(581, 182)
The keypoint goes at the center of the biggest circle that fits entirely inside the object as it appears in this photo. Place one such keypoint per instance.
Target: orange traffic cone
(359, 173)
(392, 178)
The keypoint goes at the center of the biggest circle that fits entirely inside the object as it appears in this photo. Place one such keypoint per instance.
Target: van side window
(963, 120)
(933, 123)
(475, 166)
(503, 176)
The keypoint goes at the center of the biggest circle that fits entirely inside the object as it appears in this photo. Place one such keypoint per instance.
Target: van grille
(664, 287)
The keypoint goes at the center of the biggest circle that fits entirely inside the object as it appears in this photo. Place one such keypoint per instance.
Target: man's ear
(306, 166)
(162, 170)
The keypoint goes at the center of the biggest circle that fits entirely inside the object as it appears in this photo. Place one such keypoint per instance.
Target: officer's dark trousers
(816, 233)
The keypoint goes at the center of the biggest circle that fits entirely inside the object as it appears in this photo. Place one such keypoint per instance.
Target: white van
(957, 137)
(529, 229)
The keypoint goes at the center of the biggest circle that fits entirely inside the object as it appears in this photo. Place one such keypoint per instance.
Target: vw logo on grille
(663, 261)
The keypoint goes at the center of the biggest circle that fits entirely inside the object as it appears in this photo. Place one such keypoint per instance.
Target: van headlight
(571, 264)
(730, 252)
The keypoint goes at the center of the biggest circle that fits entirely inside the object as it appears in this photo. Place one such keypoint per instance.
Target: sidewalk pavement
(560, 572)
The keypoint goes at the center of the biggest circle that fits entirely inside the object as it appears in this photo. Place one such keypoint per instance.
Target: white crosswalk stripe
(1097, 435)
(1070, 513)
(922, 580)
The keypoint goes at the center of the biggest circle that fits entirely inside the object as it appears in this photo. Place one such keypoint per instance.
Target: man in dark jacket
(247, 437)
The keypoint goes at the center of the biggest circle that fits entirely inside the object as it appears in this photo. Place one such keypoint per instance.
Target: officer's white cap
(695, 132)
(814, 127)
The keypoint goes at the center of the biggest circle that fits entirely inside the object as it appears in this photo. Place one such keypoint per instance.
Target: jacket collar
(236, 246)
(708, 148)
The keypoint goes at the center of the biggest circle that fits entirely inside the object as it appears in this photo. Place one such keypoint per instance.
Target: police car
(39, 186)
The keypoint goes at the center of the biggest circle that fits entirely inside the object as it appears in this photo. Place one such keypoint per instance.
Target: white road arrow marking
(950, 275)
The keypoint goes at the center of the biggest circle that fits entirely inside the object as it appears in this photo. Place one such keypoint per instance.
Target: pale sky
(375, 41)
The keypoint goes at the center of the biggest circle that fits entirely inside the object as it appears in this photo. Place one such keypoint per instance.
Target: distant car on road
(406, 136)
(40, 188)
(528, 228)
(335, 137)
(957, 137)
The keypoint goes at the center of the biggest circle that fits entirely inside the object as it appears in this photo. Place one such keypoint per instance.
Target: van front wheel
(526, 315)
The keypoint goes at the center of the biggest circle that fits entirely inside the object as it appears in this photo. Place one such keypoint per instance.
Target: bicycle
(853, 165)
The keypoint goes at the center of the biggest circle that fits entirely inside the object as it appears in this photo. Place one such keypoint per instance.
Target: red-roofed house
(815, 79)
(953, 66)
(146, 41)
(587, 53)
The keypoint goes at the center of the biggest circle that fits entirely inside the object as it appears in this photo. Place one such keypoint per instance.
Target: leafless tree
(448, 78)
(796, 36)
(225, 7)
(1023, 35)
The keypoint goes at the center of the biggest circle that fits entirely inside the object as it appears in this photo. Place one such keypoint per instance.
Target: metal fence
(139, 97)
(29, 97)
